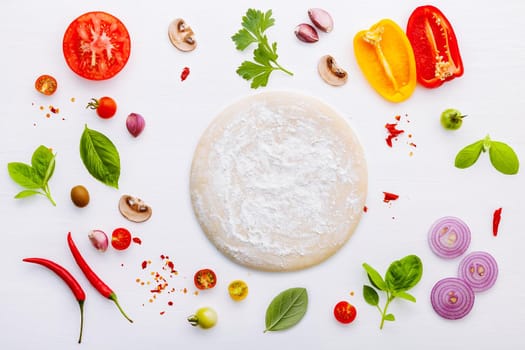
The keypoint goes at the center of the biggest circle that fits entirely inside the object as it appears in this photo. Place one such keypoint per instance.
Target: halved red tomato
(96, 45)
(435, 46)
(205, 279)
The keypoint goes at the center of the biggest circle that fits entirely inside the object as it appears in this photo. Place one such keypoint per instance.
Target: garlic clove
(135, 124)
(99, 239)
(306, 33)
(321, 19)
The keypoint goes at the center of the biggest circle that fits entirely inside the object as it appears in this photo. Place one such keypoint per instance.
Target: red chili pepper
(95, 281)
(67, 277)
(185, 73)
(495, 221)
(390, 197)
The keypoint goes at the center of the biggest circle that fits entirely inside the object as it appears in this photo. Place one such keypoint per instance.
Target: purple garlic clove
(135, 124)
(99, 240)
(306, 33)
(321, 19)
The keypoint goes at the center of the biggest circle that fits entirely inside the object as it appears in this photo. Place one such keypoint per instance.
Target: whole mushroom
(134, 209)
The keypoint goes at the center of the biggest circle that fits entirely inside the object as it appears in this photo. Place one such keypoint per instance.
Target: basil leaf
(370, 295)
(405, 295)
(469, 155)
(27, 193)
(41, 160)
(404, 274)
(374, 277)
(24, 175)
(389, 317)
(503, 158)
(286, 309)
(100, 157)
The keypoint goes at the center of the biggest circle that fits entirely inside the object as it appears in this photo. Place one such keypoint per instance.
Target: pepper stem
(81, 304)
(113, 297)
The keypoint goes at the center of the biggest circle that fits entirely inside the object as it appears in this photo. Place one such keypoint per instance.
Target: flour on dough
(278, 181)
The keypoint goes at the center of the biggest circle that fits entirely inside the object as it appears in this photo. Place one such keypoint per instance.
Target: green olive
(205, 317)
(80, 196)
(451, 119)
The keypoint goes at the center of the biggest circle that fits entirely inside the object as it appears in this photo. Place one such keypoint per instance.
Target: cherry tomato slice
(46, 84)
(238, 290)
(345, 312)
(435, 46)
(120, 238)
(205, 279)
(96, 45)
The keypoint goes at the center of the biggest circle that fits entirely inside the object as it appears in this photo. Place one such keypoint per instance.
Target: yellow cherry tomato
(386, 59)
(238, 290)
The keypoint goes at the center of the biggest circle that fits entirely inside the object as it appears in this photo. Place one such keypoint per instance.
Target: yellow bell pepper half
(386, 59)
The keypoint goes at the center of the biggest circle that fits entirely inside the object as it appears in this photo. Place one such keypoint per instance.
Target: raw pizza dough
(278, 181)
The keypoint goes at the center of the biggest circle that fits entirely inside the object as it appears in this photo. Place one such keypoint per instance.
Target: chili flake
(390, 197)
(137, 240)
(496, 218)
(393, 132)
(184, 74)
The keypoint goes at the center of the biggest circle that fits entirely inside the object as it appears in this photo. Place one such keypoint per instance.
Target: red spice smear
(495, 221)
(393, 132)
(390, 197)
(185, 73)
(137, 240)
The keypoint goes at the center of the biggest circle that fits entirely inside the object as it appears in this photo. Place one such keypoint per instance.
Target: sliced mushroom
(181, 35)
(330, 72)
(134, 209)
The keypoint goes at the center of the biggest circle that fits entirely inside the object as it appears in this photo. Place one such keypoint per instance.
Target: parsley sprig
(254, 25)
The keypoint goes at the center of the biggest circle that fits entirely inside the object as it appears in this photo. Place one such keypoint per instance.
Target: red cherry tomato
(106, 107)
(435, 46)
(345, 312)
(96, 45)
(120, 238)
(205, 279)
(46, 84)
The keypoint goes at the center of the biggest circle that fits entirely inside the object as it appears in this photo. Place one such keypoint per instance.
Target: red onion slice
(449, 237)
(452, 298)
(479, 270)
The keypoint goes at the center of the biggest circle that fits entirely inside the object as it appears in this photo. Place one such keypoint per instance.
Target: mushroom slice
(181, 35)
(330, 72)
(134, 209)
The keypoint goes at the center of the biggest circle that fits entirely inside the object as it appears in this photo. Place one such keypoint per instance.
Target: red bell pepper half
(435, 47)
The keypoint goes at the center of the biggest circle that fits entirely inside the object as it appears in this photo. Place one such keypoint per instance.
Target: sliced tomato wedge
(96, 45)
(435, 47)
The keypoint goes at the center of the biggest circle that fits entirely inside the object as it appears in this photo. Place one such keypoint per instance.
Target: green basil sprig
(34, 177)
(100, 157)
(401, 276)
(286, 309)
(501, 155)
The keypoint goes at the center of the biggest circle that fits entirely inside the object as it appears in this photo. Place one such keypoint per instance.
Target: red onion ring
(449, 237)
(479, 270)
(452, 298)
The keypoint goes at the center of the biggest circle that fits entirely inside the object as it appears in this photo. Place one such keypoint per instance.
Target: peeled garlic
(99, 240)
(135, 124)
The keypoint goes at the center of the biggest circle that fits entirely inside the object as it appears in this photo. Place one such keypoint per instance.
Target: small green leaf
(469, 155)
(405, 295)
(27, 193)
(389, 317)
(370, 295)
(404, 274)
(503, 158)
(374, 277)
(24, 175)
(243, 39)
(286, 309)
(40, 161)
(100, 157)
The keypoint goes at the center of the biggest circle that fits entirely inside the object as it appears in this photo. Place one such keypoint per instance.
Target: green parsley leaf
(254, 24)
